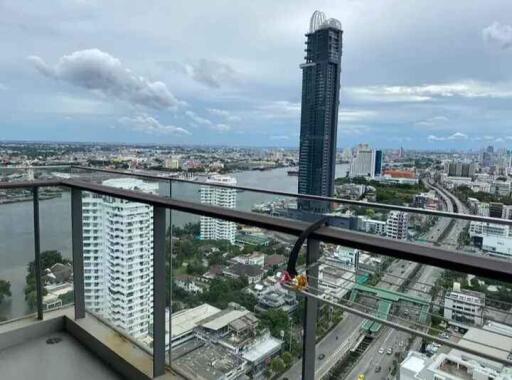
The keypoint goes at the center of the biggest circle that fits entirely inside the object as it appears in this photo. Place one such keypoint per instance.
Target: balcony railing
(477, 265)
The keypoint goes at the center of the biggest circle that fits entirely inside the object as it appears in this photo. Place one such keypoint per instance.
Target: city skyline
(437, 79)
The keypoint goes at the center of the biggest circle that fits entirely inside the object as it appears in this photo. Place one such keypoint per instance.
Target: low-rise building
(274, 261)
(458, 364)
(351, 190)
(204, 360)
(253, 273)
(58, 273)
(184, 323)
(428, 201)
(259, 353)
(493, 238)
(255, 258)
(51, 302)
(214, 272)
(417, 366)
(191, 284)
(464, 307)
(271, 297)
(501, 188)
(372, 226)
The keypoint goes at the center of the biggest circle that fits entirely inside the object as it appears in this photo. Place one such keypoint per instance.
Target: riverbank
(28, 198)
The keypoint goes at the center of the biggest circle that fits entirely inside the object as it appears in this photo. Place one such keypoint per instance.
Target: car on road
(389, 351)
(321, 356)
(381, 350)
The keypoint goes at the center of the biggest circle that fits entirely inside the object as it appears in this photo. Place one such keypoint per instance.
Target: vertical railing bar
(78, 257)
(159, 291)
(169, 327)
(37, 254)
(310, 312)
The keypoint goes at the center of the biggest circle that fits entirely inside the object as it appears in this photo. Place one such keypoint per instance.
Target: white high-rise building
(217, 229)
(397, 225)
(363, 163)
(118, 262)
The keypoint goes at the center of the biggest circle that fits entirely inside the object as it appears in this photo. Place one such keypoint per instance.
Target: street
(375, 363)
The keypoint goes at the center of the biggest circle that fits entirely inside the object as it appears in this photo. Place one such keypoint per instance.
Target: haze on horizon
(429, 75)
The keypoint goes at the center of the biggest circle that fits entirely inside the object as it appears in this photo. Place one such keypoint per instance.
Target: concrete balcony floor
(87, 348)
(67, 359)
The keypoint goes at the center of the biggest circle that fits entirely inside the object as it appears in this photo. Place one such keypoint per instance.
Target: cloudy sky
(422, 74)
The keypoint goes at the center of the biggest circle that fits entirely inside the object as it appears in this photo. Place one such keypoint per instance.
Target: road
(453, 204)
(371, 360)
(377, 366)
(442, 223)
(332, 345)
(329, 345)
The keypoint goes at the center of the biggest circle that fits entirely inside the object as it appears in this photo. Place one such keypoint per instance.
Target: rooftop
(186, 320)
(262, 348)
(222, 319)
(479, 340)
(206, 361)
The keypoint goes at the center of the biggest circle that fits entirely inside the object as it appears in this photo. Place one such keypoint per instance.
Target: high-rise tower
(217, 229)
(319, 113)
(118, 257)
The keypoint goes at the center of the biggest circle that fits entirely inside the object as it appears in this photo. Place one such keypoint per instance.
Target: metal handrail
(473, 264)
(483, 266)
(476, 218)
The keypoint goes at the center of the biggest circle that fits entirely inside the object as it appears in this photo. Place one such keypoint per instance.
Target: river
(16, 225)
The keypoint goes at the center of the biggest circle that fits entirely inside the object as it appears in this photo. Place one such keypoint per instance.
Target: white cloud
(3, 87)
(221, 127)
(225, 114)
(209, 72)
(96, 70)
(279, 109)
(148, 124)
(454, 136)
(434, 123)
(422, 93)
(355, 130)
(499, 34)
(198, 119)
(347, 115)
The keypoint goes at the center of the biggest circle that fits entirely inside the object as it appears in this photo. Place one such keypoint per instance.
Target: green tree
(222, 291)
(277, 365)
(275, 320)
(48, 259)
(287, 358)
(5, 289)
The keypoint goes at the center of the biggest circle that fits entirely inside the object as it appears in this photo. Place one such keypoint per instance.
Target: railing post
(310, 312)
(158, 291)
(37, 254)
(170, 276)
(78, 252)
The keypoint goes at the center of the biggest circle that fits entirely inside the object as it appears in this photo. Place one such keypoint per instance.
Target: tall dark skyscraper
(378, 163)
(319, 112)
